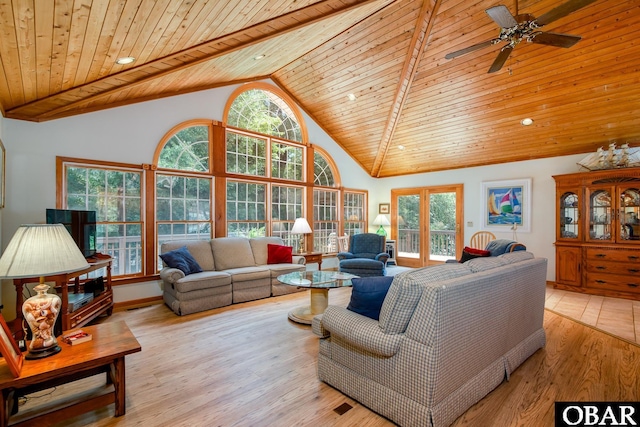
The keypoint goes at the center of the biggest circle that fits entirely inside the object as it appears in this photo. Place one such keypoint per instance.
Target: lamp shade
(41, 250)
(381, 220)
(301, 226)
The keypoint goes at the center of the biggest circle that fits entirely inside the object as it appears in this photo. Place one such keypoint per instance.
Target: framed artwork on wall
(384, 208)
(506, 205)
(9, 349)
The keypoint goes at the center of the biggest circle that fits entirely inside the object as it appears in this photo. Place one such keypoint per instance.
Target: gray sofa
(447, 336)
(235, 270)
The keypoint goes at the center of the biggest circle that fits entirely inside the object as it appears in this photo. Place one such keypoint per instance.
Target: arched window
(187, 150)
(263, 111)
(322, 171)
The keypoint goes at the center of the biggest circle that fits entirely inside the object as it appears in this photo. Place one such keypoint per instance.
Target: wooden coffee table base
(319, 303)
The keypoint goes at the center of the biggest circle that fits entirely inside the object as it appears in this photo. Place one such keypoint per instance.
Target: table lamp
(301, 227)
(381, 220)
(41, 250)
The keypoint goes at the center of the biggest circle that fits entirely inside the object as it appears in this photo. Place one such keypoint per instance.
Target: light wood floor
(248, 365)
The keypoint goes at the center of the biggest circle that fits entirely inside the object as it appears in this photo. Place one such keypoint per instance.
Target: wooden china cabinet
(598, 232)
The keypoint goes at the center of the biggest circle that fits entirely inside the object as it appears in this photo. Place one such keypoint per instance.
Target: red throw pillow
(471, 253)
(277, 254)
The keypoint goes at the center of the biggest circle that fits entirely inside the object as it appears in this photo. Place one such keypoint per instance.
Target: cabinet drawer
(614, 282)
(613, 255)
(599, 266)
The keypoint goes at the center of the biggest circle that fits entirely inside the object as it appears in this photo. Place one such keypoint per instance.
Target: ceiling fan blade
(501, 15)
(460, 52)
(555, 39)
(501, 59)
(562, 10)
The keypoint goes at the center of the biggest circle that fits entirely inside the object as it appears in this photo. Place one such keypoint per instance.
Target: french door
(426, 224)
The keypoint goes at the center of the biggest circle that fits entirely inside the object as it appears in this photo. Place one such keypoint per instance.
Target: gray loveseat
(235, 270)
(447, 336)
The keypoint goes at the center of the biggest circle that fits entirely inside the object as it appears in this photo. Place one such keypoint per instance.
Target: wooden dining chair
(480, 239)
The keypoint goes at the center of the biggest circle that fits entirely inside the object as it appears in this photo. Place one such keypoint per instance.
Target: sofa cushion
(199, 249)
(278, 254)
(203, 280)
(483, 264)
(471, 253)
(232, 252)
(182, 260)
(511, 257)
(248, 274)
(367, 295)
(260, 249)
(406, 290)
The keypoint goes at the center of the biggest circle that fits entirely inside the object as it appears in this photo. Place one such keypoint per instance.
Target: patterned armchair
(367, 255)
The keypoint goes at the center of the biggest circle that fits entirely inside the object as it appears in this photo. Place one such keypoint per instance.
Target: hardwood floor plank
(248, 365)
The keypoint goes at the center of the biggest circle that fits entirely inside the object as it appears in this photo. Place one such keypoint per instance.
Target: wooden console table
(311, 257)
(100, 304)
(105, 353)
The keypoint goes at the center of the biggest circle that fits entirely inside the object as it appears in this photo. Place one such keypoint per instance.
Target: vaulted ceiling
(415, 111)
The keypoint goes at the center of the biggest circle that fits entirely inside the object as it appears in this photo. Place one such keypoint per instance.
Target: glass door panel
(600, 215)
(442, 226)
(569, 210)
(408, 223)
(630, 214)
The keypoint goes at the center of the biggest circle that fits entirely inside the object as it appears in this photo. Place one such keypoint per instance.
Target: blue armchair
(367, 255)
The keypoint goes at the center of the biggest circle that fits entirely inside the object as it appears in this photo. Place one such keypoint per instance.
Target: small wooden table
(103, 354)
(311, 257)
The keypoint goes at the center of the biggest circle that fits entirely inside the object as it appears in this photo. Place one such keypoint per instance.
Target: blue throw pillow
(367, 295)
(181, 259)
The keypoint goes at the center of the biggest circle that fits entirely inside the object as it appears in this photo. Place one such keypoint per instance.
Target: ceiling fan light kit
(524, 27)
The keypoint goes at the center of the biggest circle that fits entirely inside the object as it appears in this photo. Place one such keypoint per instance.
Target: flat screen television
(80, 224)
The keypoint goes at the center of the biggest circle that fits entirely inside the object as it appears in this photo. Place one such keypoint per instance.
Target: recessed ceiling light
(125, 60)
(258, 57)
(401, 147)
(351, 97)
(526, 122)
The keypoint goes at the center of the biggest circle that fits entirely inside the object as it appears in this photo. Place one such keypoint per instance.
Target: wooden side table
(105, 353)
(311, 257)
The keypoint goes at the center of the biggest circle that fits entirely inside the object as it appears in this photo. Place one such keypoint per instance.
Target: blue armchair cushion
(367, 295)
(181, 259)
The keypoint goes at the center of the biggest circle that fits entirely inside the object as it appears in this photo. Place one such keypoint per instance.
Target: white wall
(131, 134)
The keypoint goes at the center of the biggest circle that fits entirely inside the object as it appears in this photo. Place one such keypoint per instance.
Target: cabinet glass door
(600, 215)
(569, 215)
(630, 214)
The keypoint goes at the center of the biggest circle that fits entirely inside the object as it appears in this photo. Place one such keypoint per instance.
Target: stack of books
(76, 337)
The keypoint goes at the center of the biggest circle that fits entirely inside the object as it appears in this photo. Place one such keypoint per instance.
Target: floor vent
(340, 410)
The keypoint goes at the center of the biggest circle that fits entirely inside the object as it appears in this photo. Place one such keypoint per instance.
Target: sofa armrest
(297, 259)
(345, 255)
(359, 331)
(171, 275)
(382, 257)
(317, 327)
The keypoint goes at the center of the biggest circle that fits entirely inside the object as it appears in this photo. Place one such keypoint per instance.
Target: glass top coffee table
(319, 282)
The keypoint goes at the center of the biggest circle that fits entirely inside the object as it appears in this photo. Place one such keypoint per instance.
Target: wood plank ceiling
(57, 59)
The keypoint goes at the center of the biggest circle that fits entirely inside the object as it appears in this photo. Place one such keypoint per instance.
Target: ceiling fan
(515, 29)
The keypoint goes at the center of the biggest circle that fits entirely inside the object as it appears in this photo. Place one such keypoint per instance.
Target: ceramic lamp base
(381, 232)
(42, 353)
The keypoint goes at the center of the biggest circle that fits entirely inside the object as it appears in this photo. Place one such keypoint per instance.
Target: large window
(115, 194)
(245, 176)
(246, 209)
(183, 208)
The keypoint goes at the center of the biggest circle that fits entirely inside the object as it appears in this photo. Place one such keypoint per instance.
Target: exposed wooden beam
(187, 58)
(416, 51)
